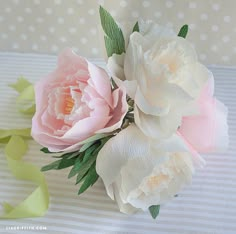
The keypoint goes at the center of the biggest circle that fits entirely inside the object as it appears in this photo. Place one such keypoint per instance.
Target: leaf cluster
(83, 163)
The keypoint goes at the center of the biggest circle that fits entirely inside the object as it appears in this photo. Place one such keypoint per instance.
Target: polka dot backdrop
(47, 26)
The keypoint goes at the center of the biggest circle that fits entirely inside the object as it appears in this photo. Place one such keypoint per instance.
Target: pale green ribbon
(36, 204)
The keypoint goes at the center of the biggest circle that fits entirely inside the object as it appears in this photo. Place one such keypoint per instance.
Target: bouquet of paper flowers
(141, 129)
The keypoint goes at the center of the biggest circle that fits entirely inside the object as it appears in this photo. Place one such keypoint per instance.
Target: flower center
(155, 181)
(69, 104)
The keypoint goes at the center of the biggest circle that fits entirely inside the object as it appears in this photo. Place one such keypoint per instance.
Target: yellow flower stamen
(69, 104)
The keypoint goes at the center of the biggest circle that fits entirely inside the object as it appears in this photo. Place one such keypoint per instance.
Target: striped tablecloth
(207, 206)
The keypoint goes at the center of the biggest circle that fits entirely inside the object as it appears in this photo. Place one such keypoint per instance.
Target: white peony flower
(161, 73)
(138, 171)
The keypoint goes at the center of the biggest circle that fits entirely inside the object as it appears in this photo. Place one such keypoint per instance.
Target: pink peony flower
(208, 131)
(75, 102)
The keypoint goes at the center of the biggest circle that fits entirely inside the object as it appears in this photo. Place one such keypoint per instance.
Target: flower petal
(115, 153)
(115, 66)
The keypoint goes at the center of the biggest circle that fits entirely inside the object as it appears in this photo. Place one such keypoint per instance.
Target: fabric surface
(47, 26)
(206, 206)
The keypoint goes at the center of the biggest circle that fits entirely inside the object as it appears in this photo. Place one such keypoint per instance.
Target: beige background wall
(47, 26)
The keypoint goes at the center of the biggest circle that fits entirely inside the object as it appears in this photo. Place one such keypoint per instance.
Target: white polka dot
(203, 37)
(48, 11)
(214, 28)
(37, 2)
(169, 4)
(39, 20)
(157, 14)
(8, 10)
(123, 3)
(192, 5)
(204, 16)
(72, 30)
(12, 27)
(82, 21)
(54, 48)
(4, 36)
(15, 46)
(202, 56)
(70, 11)
(169, 24)
(57, 2)
(192, 45)
(16, 1)
(80, 2)
(91, 11)
(94, 50)
(101, 2)
(180, 15)
(93, 31)
(23, 36)
(135, 14)
(31, 28)
(35, 46)
(61, 20)
(20, 19)
(43, 37)
(28, 10)
(146, 4)
(192, 26)
(63, 39)
(225, 39)
(51, 29)
(216, 7)
(225, 58)
(214, 48)
(227, 19)
(83, 40)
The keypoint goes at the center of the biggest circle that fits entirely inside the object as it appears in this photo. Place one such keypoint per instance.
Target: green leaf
(136, 27)
(76, 167)
(45, 150)
(90, 151)
(51, 166)
(154, 210)
(89, 180)
(110, 46)
(115, 42)
(92, 139)
(83, 164)
(66, 162)
(183, 31)
(84, 167)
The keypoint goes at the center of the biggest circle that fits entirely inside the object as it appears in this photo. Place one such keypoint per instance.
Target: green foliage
(154, 210)
(114, 39)
(136, 27)
(66, 160)
(183, 31)
(83, 161)
(90, 179)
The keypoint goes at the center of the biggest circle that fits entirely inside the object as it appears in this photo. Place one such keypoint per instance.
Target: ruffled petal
(115, 66)
(116, 152)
